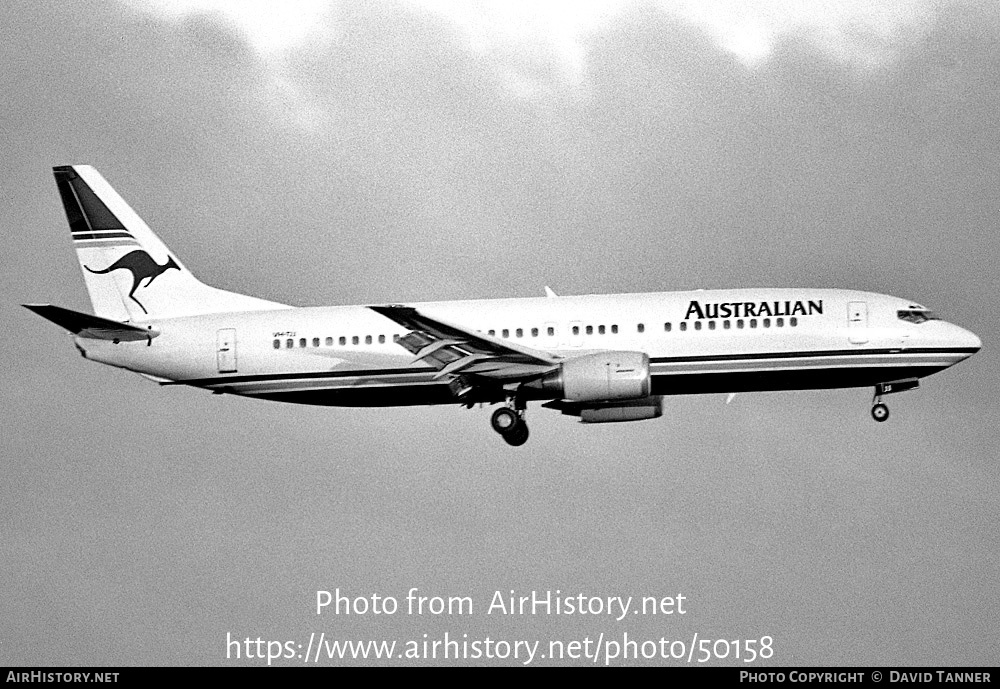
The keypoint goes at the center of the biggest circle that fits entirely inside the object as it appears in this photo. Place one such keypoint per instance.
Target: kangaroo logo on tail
(142, 266)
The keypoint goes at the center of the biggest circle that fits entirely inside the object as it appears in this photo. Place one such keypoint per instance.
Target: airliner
(602, 358)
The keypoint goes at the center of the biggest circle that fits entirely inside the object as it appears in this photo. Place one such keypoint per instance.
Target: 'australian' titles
(753, 309)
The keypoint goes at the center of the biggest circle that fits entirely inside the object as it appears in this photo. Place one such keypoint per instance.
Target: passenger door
(226, 350)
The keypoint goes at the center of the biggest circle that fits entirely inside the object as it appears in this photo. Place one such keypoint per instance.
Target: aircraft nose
(973, 340)
(966, 339)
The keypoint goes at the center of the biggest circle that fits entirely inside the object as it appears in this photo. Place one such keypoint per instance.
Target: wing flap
(454, 351)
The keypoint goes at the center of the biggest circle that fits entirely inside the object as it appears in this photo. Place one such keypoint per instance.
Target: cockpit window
(917, 315)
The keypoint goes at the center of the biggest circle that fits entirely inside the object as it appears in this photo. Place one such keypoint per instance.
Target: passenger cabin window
(641, 328)
(368, 339)
(381, 339)
(576, 330)
(590, 330)
(506, 332)
(600, 330)
(697, 325)
(711, 325)
(666, 327)
(726, 325)
(289, 343)
(493, 333)
(793, 321)
(614, 329)
(767, 322)
(779, 322)
(519, 332)
(277, 344)
(684, 326)
(342, 340)
(329, 342)
(355, 340)
(753, 322)
(315, 342)
(739, 324)
(534, 332)
(551, 331)
(302, 342)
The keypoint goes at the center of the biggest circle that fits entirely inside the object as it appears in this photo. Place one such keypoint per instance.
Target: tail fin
(130, 274)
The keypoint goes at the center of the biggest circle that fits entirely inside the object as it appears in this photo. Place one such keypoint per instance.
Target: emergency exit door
(226, 350)
(857, 322)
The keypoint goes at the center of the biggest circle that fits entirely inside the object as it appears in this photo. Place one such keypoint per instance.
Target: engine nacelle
(636, 410)
(601, 377)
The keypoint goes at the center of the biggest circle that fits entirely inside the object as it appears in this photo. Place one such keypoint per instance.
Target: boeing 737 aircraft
(603, 358)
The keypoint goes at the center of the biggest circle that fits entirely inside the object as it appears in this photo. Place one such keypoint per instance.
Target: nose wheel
(510, 424)
(880, 412)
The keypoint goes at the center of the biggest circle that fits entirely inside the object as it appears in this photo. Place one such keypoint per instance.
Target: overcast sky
(338, 153)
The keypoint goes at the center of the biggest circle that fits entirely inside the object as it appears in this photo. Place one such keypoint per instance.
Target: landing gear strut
(509, 422)
(880, 412)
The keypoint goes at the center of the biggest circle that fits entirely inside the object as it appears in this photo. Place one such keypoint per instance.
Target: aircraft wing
(86, 325)
(454, 350)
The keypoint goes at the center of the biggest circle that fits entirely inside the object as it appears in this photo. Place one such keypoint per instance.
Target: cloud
(853, 31)
(536, 51)
(270, 27)
(555, 33)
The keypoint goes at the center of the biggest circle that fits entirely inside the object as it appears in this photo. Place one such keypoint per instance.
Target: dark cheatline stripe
(805, 355)
(80, 236)
(74, 213)
(394, 396)
(275, 377)
(817, 378)
(375, 373)
(84, 210)
(124, 241)
(667, 384)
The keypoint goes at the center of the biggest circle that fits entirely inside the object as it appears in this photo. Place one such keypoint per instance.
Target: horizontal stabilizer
(86, 325)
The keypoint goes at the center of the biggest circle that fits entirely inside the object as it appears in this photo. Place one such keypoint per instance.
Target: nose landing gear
(880, 412)
(510, 424)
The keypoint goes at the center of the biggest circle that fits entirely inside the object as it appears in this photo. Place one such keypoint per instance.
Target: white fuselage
(699, 341)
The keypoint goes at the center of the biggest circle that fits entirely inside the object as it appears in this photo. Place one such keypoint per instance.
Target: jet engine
(601, 377)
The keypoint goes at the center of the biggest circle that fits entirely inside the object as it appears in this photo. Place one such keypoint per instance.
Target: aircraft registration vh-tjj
(603, 358)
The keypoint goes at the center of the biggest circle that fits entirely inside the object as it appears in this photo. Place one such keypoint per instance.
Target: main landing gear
(509, 423)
